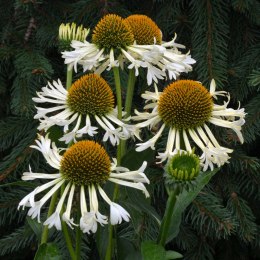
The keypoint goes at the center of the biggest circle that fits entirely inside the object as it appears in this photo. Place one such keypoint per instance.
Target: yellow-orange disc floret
(145, 30)
(91, 94)
(112, 32)
(185, 104)
(85, 162)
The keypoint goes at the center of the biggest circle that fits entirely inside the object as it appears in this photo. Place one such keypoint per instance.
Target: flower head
(89, 98)
(84, 166)
(186, 108)
(135, 41)
(69, 32)
(112, 32)
(145, 30)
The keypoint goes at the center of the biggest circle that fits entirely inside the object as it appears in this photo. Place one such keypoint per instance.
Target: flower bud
(69, 32)
(182, 169)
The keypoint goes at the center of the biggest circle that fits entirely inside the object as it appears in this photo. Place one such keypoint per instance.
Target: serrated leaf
(151, 251)
(48, 251)
(184, 199)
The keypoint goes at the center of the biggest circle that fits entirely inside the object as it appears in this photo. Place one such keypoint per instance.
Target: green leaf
(184, 199)
(35, 226)
(173, 255)
(48, 251)
(134, 255)
(102, 235)
(125, 248)
(133, 159)
(152, 251)
(137, 201)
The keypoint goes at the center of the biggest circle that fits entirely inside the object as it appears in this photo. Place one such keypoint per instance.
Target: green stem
(69, 77)
(119, 154)
(164, 229)
(68, 240)
(118, 91)
(66, 231)
(130, 92)
(63, 224)
(45, 231)
(119, 106)
(110, 243)
(78, 237)
(128, 102)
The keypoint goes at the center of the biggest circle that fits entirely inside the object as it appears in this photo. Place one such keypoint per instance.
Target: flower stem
(68, 240)
(128, 102)
(119, 106)
(45, 231)
(118, 91)
(63, 224)
(78, 237)
(66, 232)
(130, 92)
(110, 243)
(69, 77)
(119, 154)
(164, 229)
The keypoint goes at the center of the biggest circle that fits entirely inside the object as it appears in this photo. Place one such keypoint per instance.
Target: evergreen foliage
(223, 36)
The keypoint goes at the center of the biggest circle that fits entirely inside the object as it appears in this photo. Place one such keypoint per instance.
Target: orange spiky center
(112, 32)
(90, 94)
(145, 30)
(185, 104)
(85, 162)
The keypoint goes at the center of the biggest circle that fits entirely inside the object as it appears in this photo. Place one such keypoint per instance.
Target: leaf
(152, 251)
(137, 200)
(134, 255)
(35, 226)
(102, 235)
(125, 249)
(184, 199)
(48, 251)
(173, 255)
(133, 159)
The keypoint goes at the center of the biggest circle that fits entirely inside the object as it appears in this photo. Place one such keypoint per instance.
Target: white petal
(53, 220)
(117, 214)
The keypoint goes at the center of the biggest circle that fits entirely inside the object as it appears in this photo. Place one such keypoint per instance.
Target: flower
(186, 108)
(116, 41)
(69, 32)
(181, 170)
(145, 30)
(89, 98)
(167, 58)
(84, 166)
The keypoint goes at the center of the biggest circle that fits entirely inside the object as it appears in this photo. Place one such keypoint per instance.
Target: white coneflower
(89, 98)
(186, 108)
(84, 166)
(115, 41)
(168, 62)
(69, 32)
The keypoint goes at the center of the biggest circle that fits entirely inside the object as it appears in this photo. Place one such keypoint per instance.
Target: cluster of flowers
(184, 107)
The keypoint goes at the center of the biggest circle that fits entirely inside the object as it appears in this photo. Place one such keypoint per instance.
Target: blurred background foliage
(223, 36)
